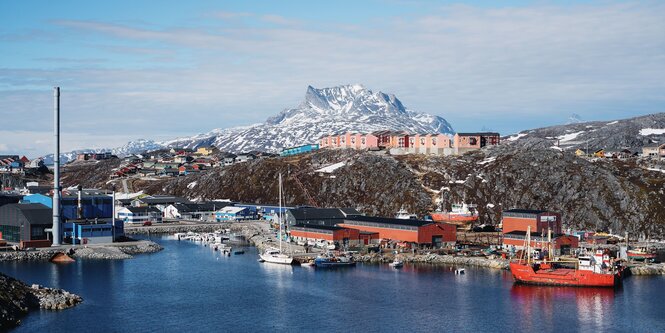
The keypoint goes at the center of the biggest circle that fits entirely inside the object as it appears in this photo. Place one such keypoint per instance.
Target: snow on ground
(489, 205)
(191, 185)
(652, 131)
(654, 169)
(487, 160)
(568, 137)
(516, 136)
(460, 181)
(446, 188)
(612, 123)
(331, 168)
(557, 148)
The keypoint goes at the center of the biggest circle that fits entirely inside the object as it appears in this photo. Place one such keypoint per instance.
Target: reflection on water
(593, 305)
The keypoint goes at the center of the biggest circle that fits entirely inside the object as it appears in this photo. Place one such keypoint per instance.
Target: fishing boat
(396, 263)
(597, 270)
(642, 254)
(273, 255)
(403, 214)
(461, 214)
(329, 260)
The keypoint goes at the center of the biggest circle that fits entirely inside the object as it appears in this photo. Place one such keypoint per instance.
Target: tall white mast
(279, 213)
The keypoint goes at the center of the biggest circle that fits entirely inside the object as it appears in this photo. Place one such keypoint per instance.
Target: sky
(165, 69)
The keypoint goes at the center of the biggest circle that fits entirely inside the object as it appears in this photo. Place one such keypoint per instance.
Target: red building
(516, 222)
(318, 233)
(430, 233)
(538, 220)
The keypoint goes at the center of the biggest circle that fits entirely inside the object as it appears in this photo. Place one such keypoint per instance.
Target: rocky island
(17, 299)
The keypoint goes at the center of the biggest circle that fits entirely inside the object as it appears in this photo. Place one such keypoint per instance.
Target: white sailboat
(272, 255)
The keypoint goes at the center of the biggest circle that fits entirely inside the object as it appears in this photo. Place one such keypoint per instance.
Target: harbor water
(189, 287)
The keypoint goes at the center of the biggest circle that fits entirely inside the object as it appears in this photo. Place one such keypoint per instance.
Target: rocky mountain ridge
(631, 134)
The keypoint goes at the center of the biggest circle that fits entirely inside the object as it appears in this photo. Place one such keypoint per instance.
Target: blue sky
(162, 69)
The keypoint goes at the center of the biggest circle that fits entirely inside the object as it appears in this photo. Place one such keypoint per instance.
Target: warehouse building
(338, 236)
(422, 233)
(26, 223)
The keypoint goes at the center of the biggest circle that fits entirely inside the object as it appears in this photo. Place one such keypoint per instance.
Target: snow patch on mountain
(652, 131)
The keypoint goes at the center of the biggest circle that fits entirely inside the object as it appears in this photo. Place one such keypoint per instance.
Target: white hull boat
(275, 257)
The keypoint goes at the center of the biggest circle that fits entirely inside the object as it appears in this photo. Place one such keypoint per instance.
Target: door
(437, 241)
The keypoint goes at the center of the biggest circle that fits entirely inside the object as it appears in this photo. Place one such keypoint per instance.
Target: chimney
(56, 167)
(79, 208)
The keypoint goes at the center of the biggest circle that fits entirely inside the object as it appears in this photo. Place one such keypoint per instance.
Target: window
(353, 140)
(422, 141)
(362, 140)
(433, 141)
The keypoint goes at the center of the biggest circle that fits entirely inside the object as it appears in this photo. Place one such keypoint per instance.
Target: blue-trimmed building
(265, 212)
(299, 150)
(232, 213)
(95, 224)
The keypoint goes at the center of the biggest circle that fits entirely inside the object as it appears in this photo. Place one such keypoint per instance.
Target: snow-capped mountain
(323, 111)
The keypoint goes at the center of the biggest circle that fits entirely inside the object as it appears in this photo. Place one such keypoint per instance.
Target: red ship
(460, 214)
(585, 271)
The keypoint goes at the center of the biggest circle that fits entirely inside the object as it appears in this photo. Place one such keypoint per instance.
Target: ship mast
(549, 244)
(279, 213)
(528, 245)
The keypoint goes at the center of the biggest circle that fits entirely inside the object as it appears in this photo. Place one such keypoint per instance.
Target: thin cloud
(464, 63)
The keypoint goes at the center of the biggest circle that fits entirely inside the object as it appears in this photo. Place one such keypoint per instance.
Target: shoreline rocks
(648, 269)
(17, 299)
(108, 252)
(437, 259)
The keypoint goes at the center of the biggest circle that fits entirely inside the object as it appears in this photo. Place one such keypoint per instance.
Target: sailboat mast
(279, 213)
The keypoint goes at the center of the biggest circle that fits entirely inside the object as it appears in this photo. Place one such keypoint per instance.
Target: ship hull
(642, 256)
(446, 217)
(332, 264)
(523, 273)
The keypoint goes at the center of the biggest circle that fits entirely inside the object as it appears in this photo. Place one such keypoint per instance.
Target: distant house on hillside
(599, 153)
(580, 152)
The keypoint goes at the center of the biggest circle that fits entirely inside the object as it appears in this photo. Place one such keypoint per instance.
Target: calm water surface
(190, 287)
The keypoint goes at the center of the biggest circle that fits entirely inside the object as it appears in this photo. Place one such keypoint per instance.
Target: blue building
(231, 213)
(266, 212)
(299, 150)
(95, 224)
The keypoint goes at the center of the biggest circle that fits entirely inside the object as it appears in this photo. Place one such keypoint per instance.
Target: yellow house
(599, 153)
(205, 151)
(579, 152)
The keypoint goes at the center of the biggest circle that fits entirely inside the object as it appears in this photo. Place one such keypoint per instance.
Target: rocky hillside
(601, 194)
(16, 299)
(633, 134)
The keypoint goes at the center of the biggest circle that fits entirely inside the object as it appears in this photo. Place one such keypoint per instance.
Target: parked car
(147, 223)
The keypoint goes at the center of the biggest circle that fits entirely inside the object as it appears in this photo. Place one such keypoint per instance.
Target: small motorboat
(459, 271)
(239, 252)
(396, 263)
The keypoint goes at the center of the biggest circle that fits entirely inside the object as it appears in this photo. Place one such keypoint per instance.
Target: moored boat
(585, 271)
(272, 255)
(641, 254)
(332, 261)
(396, 263)
(461, 214)
(276, 257)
